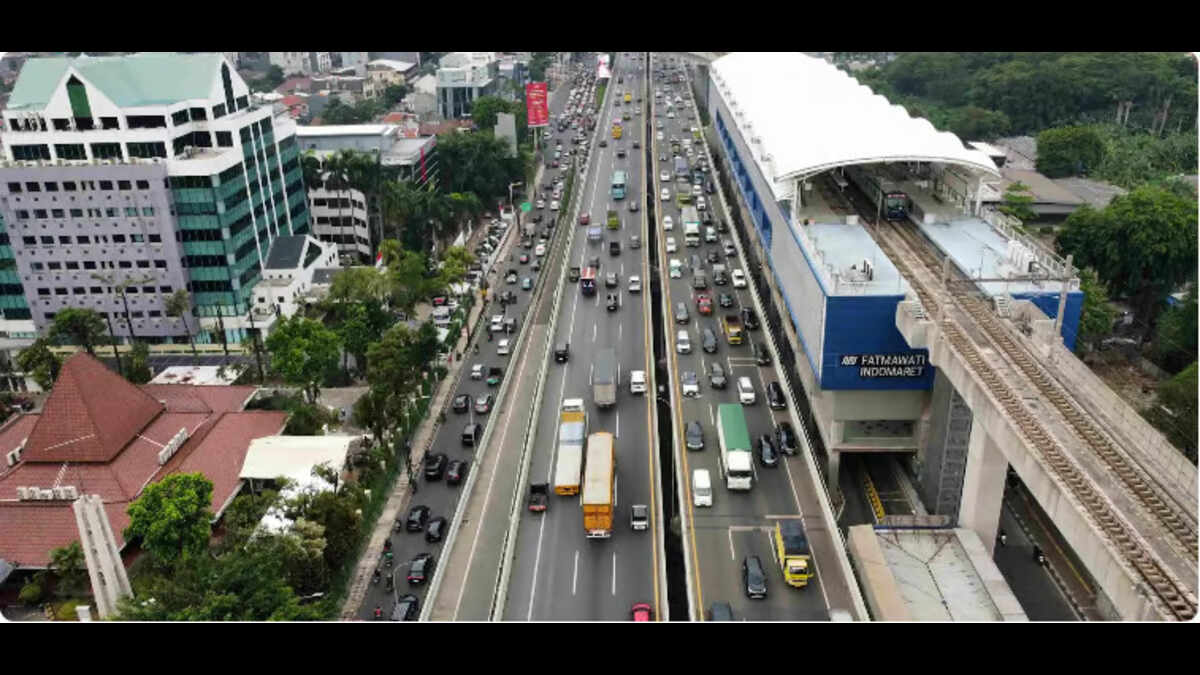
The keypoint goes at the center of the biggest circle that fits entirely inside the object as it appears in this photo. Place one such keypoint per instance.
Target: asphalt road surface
(558, 573)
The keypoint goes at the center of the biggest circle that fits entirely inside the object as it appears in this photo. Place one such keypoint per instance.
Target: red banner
(537, 110)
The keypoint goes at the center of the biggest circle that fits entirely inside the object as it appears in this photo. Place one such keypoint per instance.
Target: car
(659, 135)
(508, 297)
(665, 176)
(683, 342)
(611, 302)
(641, 612)
(775, 397)
(754, 577)
(671, 246)
(511, 277)
(662, 156)
(604, 142)
(710, 187)
(621, 151)
(541, 203)
(585, 218)
(667, 223)
(708, 341)
(739, 278)
(611, 280)
(711, 256)
(524, 259)
(786, 437)
(540, 250)
(635, 284)
(730, 251)
(745, 389)
(476, 373)
(635, 241)
(749, 318)
(716, 376)
(526, 284)
(436, 529)
(435, 466)
(666, 195)
(704, 304)
(766, 451)
(694, 433)
(421, 568)
(417, 517)
(696, 190)
(456, 472)
(633, 205)
(720, 611)
(483, 404)
(690, 383)
(725, 300)
(406, 608)
(503, 347)
(462, 403)
(614, 247)
(527, 242)
(681, 313)
(639, 517)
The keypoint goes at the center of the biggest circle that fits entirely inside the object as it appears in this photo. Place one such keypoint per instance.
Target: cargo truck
(736, 457)
(572, 431)
(732, 323)
(690, 218)
(616, 131)
(795, 559)
(682, 172)
(614, 220)
(604, 378)
(598, 486)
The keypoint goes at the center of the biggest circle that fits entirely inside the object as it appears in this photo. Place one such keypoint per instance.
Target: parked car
(435, 466)
(417, 517)
(420, 568)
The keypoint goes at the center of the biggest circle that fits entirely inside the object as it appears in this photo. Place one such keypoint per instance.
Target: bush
(307, 420)
(1046, 229)
(31, 593)
(439, 372)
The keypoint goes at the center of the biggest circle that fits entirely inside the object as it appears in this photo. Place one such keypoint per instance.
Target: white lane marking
(575, 574)
(617, 433)
(614, 578)
(591, 369)
(593, 331)
(703, 365)
(712, 418)
(732, 555)
(620, 326)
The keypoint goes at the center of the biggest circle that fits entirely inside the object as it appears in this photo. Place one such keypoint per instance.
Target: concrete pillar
(835, 465)
(983, 487)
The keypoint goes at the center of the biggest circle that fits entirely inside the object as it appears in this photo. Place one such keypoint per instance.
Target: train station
(925, 325)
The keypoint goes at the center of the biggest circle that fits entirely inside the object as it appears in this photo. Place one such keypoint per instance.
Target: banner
(537, 110)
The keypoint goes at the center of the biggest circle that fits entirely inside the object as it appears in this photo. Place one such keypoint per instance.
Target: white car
(671, 248)
(540, 250)
(676, 268)
(668, 224)
(497, 323)
(666, 195)
(635, 284)
(665, 176)
(554, 205)
(637, 382)
(739, 279)
(502, 348)
(701, 202)
(659, 135)
(477, 371)
(697, 190)
(541, 203)
(683, 342)
(670, 114)
(729, 249)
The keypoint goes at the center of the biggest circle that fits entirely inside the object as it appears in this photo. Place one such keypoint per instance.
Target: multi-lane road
(558, 573)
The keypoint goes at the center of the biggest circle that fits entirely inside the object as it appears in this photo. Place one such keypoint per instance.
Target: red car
(642, 612)
(704, 304)
(585, 218)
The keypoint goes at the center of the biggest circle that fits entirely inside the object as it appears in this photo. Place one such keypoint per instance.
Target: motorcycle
(375, 578)
(387, 559)
(391, 583)
(378, 612)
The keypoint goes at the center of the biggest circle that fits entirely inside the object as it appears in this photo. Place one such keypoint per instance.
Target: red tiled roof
(30, 530)
(292, 100)
(91, 414)
(220, 452)
(294, 84)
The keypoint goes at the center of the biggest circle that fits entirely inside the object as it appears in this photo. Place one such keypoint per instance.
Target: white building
(385, 72)
(463, 77)
(353, 59)
(305, 63)
(287, 282)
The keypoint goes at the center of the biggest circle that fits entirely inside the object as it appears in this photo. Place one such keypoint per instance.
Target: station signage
(906, 364)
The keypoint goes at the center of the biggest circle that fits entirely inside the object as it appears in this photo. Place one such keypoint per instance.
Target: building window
(57, 213)
(146, 122)
(118, 239)
(14, 188)
(136, 315)
(219, 110)
(29, 241)
(143, 264)
(51, 186)
(43, 291)
(110, 212)
(147, 289)
(95, 290)
(227, 83)
(146, 150)
(143, 185)
(76, 213)
(179, 117)
(164, 289)
(131, 289)
(72, 265)
(31, 152)
(225, 139)
(79, 290)
(160, 264)
(155, 239)
(60, 291)
(198, 114)
(32, 186)
(83, 239)
(68, 186)
(243, 102)
(70, 151)
(40, 214)
(106, 185)
(124, 185)
(106, 151)
(65, 241)
(89, 265)
(109, 123)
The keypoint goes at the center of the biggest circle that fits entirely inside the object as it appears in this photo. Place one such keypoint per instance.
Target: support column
(835, 465)
(983, 487)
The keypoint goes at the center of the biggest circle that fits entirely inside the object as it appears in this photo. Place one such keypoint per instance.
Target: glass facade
(12, 294)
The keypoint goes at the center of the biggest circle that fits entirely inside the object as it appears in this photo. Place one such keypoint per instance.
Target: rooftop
(981, 251)
(401, 66)
(840, 251)
(342, 130)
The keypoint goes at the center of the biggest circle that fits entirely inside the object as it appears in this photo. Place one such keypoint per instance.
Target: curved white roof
(811, 117)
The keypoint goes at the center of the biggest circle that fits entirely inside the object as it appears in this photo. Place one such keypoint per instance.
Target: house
(385, 72)
(98, 434)
(288, 275)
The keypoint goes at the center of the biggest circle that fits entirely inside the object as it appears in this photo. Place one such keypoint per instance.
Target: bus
(736, 461)
(618, 185)
(587, 281)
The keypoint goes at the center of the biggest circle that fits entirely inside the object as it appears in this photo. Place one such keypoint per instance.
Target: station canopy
(810, 117)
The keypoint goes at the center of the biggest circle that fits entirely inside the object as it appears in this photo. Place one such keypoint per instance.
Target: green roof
(148, 78)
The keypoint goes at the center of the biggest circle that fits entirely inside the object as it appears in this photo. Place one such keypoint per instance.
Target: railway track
(906, 245)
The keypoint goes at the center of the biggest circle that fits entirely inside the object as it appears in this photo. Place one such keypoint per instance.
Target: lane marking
(575, 574)
(614, 575)
(594, 331)
(617, 433)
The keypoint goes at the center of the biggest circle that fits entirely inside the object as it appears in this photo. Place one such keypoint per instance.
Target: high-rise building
(463, 77)
(127, 178)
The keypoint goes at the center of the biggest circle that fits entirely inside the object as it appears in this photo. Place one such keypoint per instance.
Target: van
(471, 434)
(745, 391)
(710, 235)
(700, 279)
(637, 382)
(720, 275)
(701, 488)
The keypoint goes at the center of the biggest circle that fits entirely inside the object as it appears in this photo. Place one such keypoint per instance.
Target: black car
(462, 403)
(637, 145)
(722, 227)
(708, 341)
(712, 256)
(716, 376)
(706, 217)
(604, 142)
(421, 568)
(406, 608)
(754, 577)
(620, 153)
(786, 436)
(435, 466)
(762, 355)
(725, 300)
(562, 352)
(766, 451)
(775, 397)
(614, 247)
(435, 530)
(611, 302)
(710, 187)
(456, 471)
(417, 517)
(694, 434)
(749, 318)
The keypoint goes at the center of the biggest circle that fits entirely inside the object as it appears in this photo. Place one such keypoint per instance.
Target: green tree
(1142, 244)
(411, 282)
(1069, 151)
(1096, 316)
(1018, 203)
(69, 565)
(1175, 412)
(485, 109)
(139, 364)
(179, 304)
(338, 513)
(40, 362)
(456, 260)
(82, 327)
(975, 123)
(371, 412)
(302, 350)
(306, 419)
(1175, 339)
(538, 63)
(393, 94)
(172, 517)
(356, 333)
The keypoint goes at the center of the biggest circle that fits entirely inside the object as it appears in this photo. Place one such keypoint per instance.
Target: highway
(441, 498)
(557, 573)
(739, 523)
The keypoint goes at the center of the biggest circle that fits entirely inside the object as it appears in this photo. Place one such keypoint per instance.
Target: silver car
(694, 434)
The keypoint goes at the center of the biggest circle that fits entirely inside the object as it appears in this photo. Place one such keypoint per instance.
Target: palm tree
(179, 304)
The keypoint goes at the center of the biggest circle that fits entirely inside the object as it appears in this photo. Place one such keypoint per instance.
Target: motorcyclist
(375, 577)
(378, 612)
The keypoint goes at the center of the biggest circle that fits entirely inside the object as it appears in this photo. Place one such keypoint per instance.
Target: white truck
(604, 378)
(572, 432)
(691, 226)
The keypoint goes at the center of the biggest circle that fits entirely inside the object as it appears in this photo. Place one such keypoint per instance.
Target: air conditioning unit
(22, 493)
(59, 493)
(71, 492)
(14, 457)
(45, 494)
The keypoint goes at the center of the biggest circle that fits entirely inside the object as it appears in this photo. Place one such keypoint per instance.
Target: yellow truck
(598, 486)
(616, 131)
(795, 559)
(732, 323)
(628, 97)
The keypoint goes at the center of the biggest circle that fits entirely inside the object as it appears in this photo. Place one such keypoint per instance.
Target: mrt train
(876, 187)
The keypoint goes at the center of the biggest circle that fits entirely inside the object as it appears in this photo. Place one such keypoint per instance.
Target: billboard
(537, 110)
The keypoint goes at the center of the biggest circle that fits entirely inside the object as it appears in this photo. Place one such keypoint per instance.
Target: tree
(1069, 151)
(370, 412)
(393, 94)
(355, 332)
(41, 363)
(1143, 244)
(1175, 339)
(179, 304)
(69, 565)
(1096, 316)
(485, 109)
(306, 419)
(456, 260)
(139, 364)
(172, 517)
(1018, 203)
(302, 350)
(1175, 412)
(411, 282)
(83, 327)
